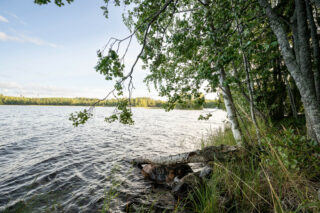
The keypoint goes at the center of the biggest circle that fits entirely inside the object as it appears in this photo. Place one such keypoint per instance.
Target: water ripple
(45, 162)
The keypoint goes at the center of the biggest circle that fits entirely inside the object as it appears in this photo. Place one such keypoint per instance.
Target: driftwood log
(211, 153)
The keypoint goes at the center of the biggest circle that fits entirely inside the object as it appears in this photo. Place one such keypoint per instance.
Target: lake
(46, 163)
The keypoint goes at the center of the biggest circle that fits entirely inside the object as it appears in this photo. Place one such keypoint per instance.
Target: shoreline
(98, 106)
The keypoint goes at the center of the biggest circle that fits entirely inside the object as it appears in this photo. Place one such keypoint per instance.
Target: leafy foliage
(283, 179)
(109, 65)
(295, 151)
(125, 115)
(80, 117)
(57, 2)
(184, 50)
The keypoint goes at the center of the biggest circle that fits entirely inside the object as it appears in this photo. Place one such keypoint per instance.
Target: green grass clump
(219, 137)
(283, 176)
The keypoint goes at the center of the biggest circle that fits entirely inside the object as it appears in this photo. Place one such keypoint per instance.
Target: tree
(297, 58)
(189, 46)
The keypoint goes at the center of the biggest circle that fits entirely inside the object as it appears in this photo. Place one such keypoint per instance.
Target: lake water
(46, 163)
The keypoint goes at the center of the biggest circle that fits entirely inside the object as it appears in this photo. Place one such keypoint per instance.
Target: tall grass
(282, 177)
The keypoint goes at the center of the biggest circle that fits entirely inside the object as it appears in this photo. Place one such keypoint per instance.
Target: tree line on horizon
(135, 102)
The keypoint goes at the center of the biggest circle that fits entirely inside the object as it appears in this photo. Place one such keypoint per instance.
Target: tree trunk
(291, 98)
(260, 114)
(310, 131)
(279, 92)
(226, 93)
(230, 107)
(315, 47)
(304, 44)
(304, 82)
(249, 82)
(305, 58)
(296, 47)
(250, 89)
(211, 153)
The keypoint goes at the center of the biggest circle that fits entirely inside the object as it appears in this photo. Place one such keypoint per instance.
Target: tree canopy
(262, 56)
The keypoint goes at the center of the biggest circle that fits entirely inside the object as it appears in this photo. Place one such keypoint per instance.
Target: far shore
(144, 102)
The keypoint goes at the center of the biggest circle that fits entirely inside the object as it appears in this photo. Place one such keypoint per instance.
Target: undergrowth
(281, 176)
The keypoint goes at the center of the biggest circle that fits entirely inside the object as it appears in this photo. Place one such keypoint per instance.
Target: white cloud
(3, 19)
(27, 39)
(5, 37)
(16, 17)
(37, 90)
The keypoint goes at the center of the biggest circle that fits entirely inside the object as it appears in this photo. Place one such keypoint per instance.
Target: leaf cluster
(110, 65)
(57, 2)
(123, 113)
(80, 117)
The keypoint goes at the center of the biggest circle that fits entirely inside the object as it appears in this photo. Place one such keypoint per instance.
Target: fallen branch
(211, 153)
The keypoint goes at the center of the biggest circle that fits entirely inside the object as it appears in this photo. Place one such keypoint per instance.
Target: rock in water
(185, 185)
(182, 170)
(205, 172)
(161, 174)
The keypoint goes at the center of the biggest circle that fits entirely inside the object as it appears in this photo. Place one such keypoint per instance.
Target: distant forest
(136, 102)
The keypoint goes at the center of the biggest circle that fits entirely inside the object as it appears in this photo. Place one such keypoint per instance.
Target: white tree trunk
(249, 82)
(230, 107)
(250, 90)
(211, 153)
(226, 93)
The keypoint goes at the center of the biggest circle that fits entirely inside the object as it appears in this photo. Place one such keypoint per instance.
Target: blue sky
(47, 51)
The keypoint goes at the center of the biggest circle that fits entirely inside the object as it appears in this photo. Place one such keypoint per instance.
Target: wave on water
(47, 164)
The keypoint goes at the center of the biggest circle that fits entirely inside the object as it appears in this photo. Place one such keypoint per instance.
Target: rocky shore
(175, 177)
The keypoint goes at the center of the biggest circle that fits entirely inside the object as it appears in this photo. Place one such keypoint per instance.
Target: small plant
(296, 152)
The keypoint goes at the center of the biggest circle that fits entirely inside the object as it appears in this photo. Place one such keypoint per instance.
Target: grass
(283, 177)
(218, 137)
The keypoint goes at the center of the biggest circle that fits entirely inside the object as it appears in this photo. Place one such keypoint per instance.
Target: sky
(47, 51)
